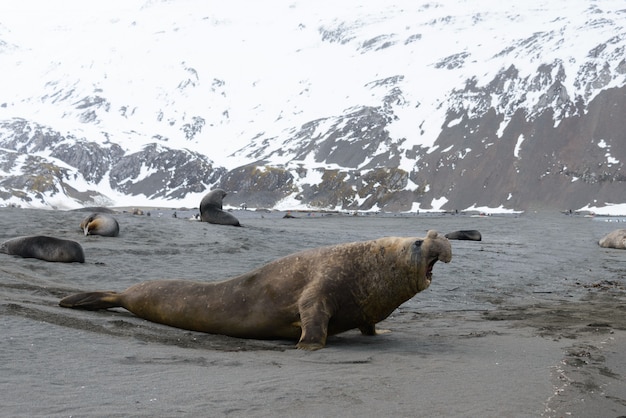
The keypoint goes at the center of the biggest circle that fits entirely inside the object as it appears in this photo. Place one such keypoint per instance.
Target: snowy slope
(237, 81)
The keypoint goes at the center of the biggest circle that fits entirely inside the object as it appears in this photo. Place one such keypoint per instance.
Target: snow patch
(518, 146)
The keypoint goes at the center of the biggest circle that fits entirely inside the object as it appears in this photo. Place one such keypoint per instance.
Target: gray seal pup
(44, 248)
(211, 209)
(304, 296)
(100, 224)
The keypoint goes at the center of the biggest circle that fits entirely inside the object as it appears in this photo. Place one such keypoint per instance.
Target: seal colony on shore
(44, 248)
(304, 296)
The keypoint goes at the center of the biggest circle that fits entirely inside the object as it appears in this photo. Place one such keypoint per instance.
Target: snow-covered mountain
(402, 106)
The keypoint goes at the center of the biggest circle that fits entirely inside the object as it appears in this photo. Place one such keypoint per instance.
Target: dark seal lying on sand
(305, 296)
(44, 248)
(100, 224)
(469, 234)
(615, 239)
(211, 209)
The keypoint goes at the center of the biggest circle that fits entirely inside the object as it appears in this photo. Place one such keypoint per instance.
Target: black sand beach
(529, 322)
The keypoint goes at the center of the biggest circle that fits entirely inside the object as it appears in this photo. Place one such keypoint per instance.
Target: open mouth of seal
(429, 270)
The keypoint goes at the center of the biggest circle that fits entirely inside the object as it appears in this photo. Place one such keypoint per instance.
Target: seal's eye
(418, 243)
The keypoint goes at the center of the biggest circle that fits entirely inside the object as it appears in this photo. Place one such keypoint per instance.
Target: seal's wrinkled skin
(305, 296)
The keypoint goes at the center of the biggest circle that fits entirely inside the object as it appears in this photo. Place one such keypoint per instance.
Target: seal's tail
(91, 301)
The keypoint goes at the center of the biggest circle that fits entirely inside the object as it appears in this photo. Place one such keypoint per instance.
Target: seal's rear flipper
(91, 301)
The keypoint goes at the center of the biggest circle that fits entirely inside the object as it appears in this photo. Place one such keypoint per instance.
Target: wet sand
(529, 322)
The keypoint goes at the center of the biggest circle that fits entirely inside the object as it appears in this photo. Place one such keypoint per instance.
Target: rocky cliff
(410, 107)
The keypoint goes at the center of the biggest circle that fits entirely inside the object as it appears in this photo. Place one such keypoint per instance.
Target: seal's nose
(445, 253)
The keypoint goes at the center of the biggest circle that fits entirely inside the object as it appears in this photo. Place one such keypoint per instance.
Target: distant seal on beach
(211, 209)
(615, 239)
(304, 296)
(44, 248)
(100, 224)
(99, 209)
(468, 234)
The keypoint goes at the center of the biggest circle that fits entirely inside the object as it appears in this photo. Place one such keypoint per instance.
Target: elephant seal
(211, 209)
(100, 224)
(304, 296)
(468, 234)
(615, 239)
(44, 248)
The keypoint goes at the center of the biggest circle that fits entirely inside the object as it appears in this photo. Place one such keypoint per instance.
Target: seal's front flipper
(91, 301)
(309, 346)
(314, 320)
(371, 330)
